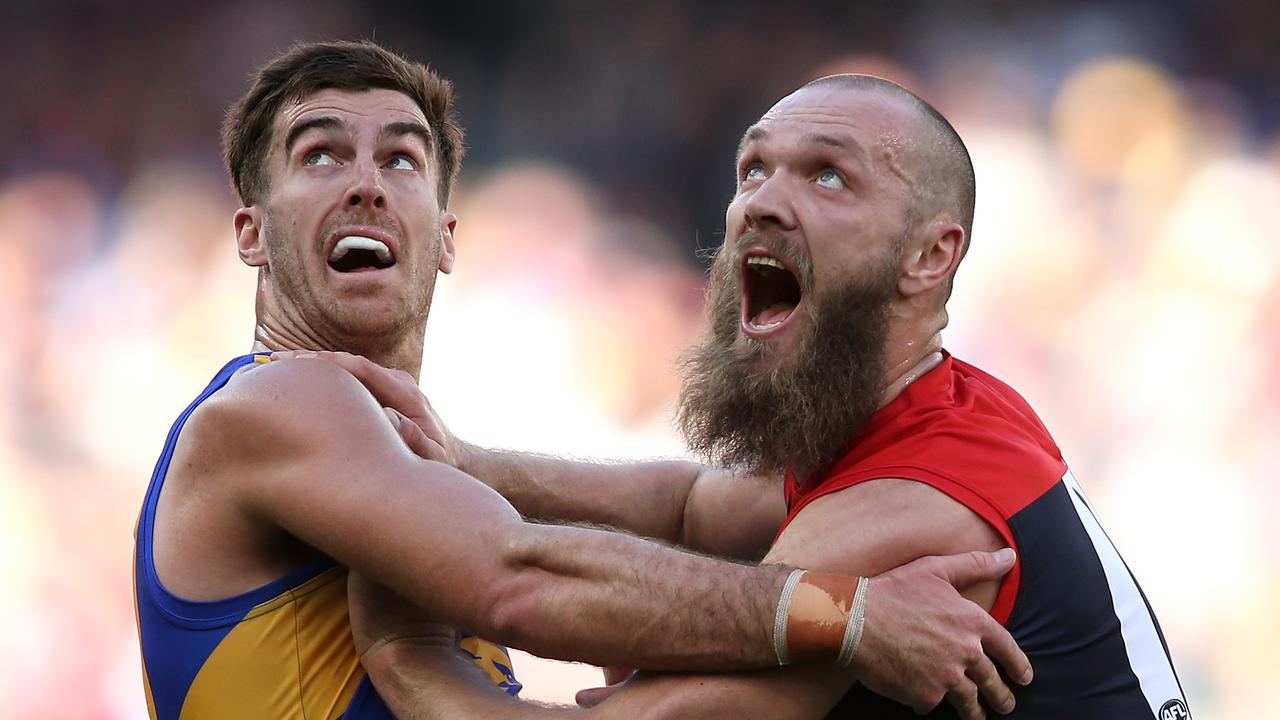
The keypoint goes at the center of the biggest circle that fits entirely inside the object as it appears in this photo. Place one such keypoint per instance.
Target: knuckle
(973, 653)
(981, 622)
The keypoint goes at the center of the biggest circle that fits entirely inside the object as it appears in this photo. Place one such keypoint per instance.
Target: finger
(412, 435)
(389, 387)
(965, 700)
(969, 568)
(998, 695)
(1000, 645)
(594, 696)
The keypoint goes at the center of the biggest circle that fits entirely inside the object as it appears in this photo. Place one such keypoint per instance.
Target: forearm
(421, 682)
(432, 682)
(645, 498)
(609, 599)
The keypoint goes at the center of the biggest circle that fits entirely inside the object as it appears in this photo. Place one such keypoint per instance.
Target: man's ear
(932, 259)
(249, 241)
(447, 223)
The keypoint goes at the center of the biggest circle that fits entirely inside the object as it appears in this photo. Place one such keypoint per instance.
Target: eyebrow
(753, 133)
(848, 144)
(319, 123)
(327, 122)
(839, 142)
(401, 129)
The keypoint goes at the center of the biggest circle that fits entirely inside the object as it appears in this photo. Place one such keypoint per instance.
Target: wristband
(853, 631)
(780, 619)
(815, 622)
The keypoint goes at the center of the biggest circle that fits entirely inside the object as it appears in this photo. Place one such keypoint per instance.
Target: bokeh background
(1125, 273)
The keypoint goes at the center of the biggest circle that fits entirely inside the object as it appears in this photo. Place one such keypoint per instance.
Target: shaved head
(933, 154)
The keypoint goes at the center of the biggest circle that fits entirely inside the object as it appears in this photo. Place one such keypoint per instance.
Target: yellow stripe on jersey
(290, 657)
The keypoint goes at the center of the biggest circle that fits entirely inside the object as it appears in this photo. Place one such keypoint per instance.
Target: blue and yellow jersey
(282, 651)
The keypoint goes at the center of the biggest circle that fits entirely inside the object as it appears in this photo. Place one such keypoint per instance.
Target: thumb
(594, 696)
(974, 567)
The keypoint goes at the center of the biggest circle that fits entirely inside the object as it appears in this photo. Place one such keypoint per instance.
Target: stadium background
(1125, 274)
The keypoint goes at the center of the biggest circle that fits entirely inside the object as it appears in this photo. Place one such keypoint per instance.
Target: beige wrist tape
(820, 618)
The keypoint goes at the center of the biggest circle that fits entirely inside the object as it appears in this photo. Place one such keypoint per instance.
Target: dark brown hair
(306, 68)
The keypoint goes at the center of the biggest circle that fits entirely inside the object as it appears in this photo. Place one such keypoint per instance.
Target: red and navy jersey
(1070, 601)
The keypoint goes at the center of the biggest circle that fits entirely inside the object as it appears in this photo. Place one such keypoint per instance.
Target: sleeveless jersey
(1070, 601)
(283, 650)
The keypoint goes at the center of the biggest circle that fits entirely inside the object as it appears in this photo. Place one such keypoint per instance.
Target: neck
(278, 329)
(913, 348)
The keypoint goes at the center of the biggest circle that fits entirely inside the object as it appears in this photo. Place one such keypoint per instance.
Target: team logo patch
(1174, 710)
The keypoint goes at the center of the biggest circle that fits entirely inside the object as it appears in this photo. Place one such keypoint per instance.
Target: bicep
(316, 457)
(878, 525)
(732, 515)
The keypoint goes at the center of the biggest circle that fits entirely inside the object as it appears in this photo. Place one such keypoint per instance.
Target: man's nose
(771, 203)
(366, 189)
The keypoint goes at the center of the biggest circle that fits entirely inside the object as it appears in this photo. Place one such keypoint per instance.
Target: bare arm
(862, 529)
(705, 509)
(420, 681)
(876, 525)
(301, 446)
(426, 682)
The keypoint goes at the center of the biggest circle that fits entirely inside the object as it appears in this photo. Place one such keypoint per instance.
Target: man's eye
(753, 172)
(401, 162)
(831, 179)
(319, 157)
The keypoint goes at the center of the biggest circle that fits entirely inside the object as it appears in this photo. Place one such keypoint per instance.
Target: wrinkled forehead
(873, 118)
(374, 108)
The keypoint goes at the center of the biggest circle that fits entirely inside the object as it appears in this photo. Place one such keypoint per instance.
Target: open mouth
(770, 293)
(358, 253)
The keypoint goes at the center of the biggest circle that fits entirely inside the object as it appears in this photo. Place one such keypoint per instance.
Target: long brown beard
(801, 413)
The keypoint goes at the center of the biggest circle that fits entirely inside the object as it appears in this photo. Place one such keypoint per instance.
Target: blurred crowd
(1124, 273)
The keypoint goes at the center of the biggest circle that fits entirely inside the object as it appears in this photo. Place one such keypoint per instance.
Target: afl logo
(1174, 710)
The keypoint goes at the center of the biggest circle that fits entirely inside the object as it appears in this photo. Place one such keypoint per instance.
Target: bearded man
(824, 396)
(282, 475)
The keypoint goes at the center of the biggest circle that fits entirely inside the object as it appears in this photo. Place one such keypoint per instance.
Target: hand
(380, 617)
(406, 407)
(922, 641)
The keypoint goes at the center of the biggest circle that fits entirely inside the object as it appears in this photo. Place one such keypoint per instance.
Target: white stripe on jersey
(1147, 657)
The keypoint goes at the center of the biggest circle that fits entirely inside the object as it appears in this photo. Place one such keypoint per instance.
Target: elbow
(512, 605)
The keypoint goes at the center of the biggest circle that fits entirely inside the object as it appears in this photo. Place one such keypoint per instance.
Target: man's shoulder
(287, 388)
(984, 401)
(974, 429)
(272, 408)
(966, 438)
